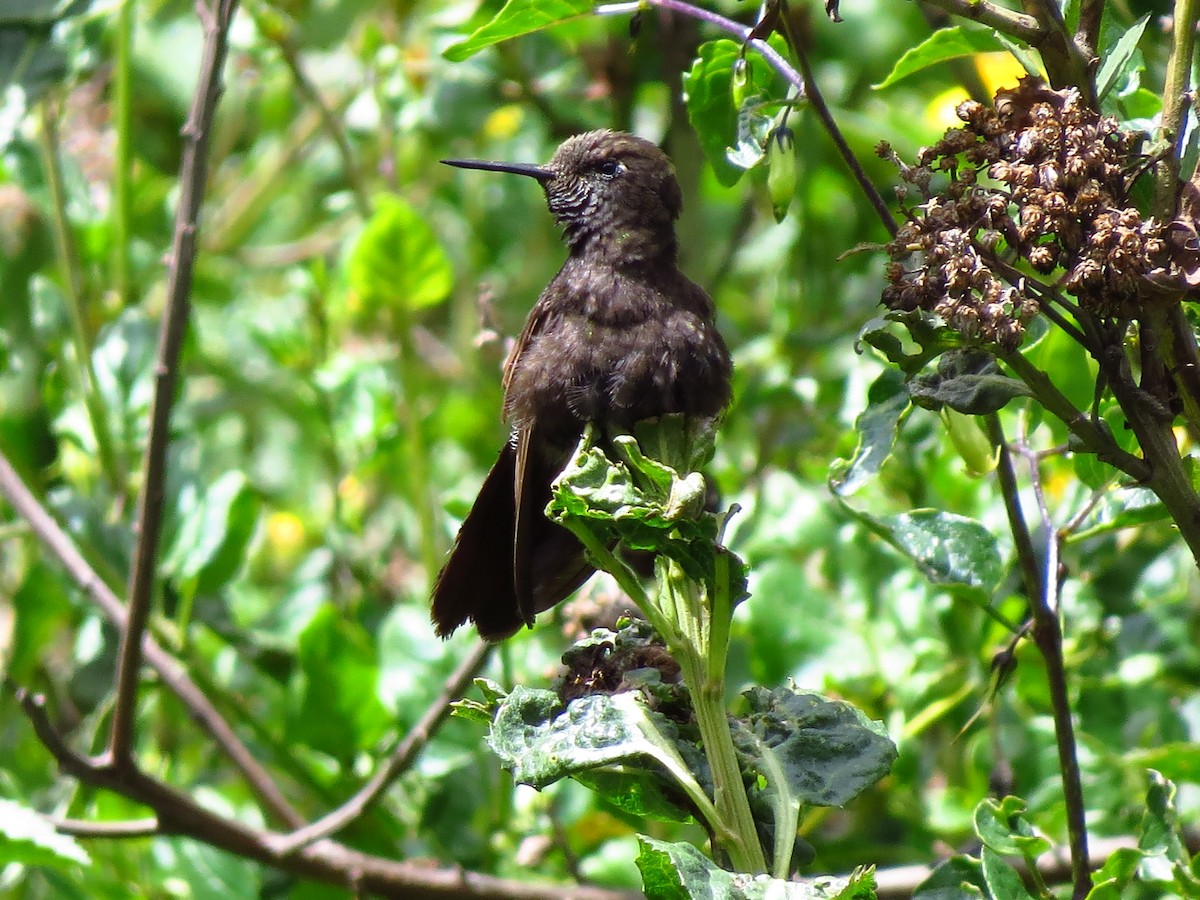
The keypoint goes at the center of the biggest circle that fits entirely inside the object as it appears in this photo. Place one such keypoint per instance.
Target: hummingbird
(619, 335)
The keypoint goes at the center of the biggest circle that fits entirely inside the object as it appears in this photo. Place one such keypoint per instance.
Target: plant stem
(1175, 102)
(122, 203)
(706, 685)
(84, 363)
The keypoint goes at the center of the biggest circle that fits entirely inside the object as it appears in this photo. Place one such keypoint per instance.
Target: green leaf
(1118, 871)
(1002, 827)
(398, 260)
(967, 381)
(215, 528)
(958, 878)
(971, 442)
(1118, 60)
(516, 18)
(677, 871)
(948, 43)
(950, 549)
(27, 837)
(877, 426)
(733, 136)
(1177, 761)
(338, 711)
(810, 749)
(1002, 880)
(541, 742)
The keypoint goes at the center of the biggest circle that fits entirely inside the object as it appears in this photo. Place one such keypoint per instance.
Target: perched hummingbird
(619, 335)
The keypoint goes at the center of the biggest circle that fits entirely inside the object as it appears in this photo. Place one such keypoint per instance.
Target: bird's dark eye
(610, 168)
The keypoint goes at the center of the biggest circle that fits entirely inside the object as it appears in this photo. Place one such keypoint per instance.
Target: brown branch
(169, 669)
(1065, 62)
(192, 174)
(325, 861)
(1087, 32)
(399, 760)
(1048, 636)
(1023, 27)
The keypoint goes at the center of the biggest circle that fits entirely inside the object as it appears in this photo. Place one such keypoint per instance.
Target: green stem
(84, 364)
(707, 687)
(123, 156)
(418, 451)
(1175, 100)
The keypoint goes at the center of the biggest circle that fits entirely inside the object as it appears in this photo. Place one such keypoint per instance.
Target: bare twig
(326, 861)
(282, 34)
(1022, 542)
(1047, 634)
(1088, 432)
(399, 760)
(1018, 25)
(192, 174)
(123, 830)
(821, 108)
(172, 672)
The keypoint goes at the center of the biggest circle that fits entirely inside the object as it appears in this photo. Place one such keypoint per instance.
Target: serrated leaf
(27, 837)
(877, 426)
(1115, 63)
(517, 17)
(948, 43)
(398, 259)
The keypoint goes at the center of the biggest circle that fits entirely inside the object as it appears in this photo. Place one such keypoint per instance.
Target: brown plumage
(619, 335)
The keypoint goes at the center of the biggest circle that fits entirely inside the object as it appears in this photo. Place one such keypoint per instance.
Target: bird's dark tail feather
(477, 584)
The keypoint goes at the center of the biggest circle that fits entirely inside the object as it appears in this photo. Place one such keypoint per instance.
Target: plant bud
(971, 442)
(742, 83)
(782, 170)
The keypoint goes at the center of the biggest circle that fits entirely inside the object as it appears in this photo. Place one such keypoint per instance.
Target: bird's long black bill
(539, 172)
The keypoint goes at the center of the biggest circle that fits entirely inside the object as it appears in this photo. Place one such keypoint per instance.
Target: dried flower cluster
(1041, 177)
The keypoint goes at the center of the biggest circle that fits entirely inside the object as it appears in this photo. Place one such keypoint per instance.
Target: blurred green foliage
(340, 404)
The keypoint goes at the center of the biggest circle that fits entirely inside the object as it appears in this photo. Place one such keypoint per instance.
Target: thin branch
(802, 81)
(398, 762)
(192, 174)
(284, 38)
(1022, 542)
(169, 669)
(325, 861)
(1087, 32)
(1018, 25)
(84, 368)
(123, 830)
(1089, 433)
(1047, 634)
(821, 108)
